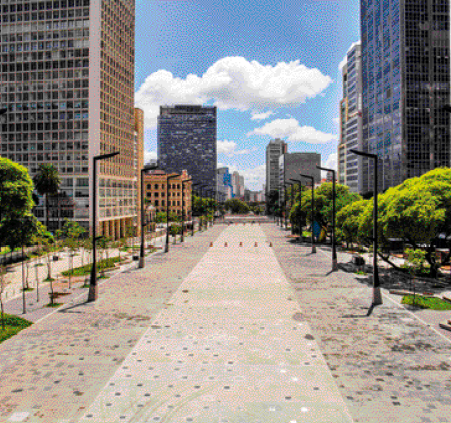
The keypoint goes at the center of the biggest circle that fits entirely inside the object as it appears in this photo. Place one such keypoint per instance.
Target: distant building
(155, 192)
(292, 164)
(274, 150)
(187, 140)
(224, 181)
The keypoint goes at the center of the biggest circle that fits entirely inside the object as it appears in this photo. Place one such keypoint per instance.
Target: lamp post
(143, 224)
(377, 297)
(168, 178)
(312, 179)
(93, 287)
(183, 208)
(291, 202)
(334, 195)
(300, 204)
(192, 205)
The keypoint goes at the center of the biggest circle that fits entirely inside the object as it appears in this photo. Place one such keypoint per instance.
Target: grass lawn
(432, 303)
(86, 270)
(13, 325)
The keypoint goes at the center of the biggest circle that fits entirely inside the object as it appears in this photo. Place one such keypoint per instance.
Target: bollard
(225, 245)
(211, 244)
(270, 244)
(241, 244)
(256, 245)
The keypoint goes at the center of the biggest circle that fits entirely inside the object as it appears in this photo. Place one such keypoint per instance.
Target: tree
(348, 221)
(272, 201)
(16, 189)
(47, 182)
(236, 206)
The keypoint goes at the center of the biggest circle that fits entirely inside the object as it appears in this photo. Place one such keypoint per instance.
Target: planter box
(55, 258)
(135, 258)
(358, 261)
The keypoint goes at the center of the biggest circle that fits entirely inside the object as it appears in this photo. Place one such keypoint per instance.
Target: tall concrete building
(224, 181)
(274, 150)
(187, 140)
(406, 81)
(67, 78)
(292, 164)
(349, 165)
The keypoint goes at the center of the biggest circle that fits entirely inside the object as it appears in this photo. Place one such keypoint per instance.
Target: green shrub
(86, 270)
(13, 325)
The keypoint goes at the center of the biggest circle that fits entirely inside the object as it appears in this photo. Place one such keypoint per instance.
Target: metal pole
(141, 254)
(377, 297)
(93, 287)
(166, 248)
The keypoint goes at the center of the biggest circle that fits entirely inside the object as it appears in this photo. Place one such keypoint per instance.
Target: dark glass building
(405, 83)
(187, 140)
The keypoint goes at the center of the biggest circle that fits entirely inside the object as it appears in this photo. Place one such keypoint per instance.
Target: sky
(271, 67)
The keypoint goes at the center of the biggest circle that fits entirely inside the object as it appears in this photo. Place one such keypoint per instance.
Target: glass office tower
(405, 78)
(187, 141)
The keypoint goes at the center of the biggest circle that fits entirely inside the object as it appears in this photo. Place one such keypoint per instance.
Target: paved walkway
(389, 366)
(52, 371)
(230, 348)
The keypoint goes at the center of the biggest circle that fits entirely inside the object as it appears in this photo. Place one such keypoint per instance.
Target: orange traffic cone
(270, 244)
(241, 244)
(211, 244)
(225, 245)
(256, 245)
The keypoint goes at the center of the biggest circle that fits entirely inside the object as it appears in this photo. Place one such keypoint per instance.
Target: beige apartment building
(155, 191)
(67, 81)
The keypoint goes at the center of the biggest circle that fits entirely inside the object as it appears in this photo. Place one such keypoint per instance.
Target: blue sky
(271, 67)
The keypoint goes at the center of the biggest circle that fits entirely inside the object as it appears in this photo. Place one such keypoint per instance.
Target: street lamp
(93, 287)
(377, 298)
(183, 208)
(334, 250)
(300, 205)
(143, 224)
(291, 204)
(168, 178)
(312, 179)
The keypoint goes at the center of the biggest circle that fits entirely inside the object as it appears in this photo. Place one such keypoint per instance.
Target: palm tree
(47, 182)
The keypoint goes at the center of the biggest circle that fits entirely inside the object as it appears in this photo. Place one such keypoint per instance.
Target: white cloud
(331, 163)
(150, 155)
(336, 121)
(254, 178)
(292, 131)
(229, 148)
(232, 83)
(261, 116)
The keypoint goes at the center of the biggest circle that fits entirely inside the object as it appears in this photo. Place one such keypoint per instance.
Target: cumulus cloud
(292, 131)
(336, 121)
(331, 163)
(233, 83)
(229, 148)
(261, 116)
(150, 156)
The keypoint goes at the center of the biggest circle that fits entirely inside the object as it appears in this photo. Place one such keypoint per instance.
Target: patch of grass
(27, 289)
(13, 325)
(49, 279)
(432, 303)
(360, 272)
(86, 270)
(54, 305)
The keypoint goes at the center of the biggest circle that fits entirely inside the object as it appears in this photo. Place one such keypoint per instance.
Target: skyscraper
(68, 82)
(274, 150)
(406, 81)
(187, 140)
(350, 165)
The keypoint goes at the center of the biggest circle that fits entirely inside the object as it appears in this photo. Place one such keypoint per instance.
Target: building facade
(274, 150)
(155, 192)
(67, 78)
(406, 81)
(187, 140)
(224, 181)
(292, 164)
(350, 165)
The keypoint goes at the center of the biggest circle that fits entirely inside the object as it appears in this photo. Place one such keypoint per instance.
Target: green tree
(47, 182)
(16, 189)
(348, 221)
(236, 206)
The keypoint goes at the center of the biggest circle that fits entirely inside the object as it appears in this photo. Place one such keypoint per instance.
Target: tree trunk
(47, 211)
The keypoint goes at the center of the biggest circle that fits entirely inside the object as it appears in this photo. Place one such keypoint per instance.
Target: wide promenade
(215, 331)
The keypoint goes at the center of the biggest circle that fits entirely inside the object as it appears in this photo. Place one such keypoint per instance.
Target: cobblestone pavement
(389, 366)
(52, 371)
